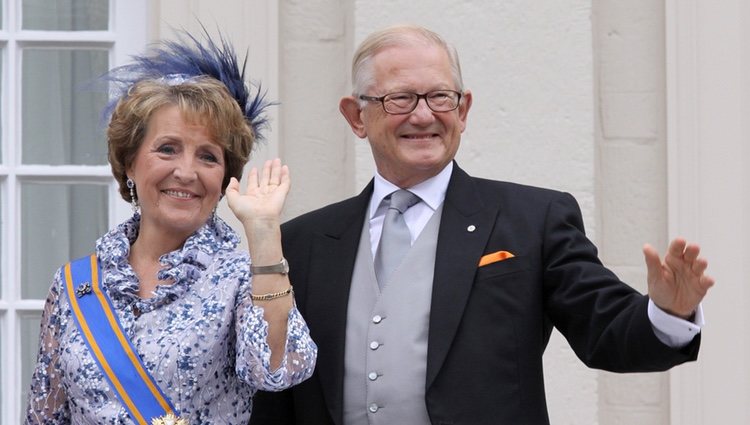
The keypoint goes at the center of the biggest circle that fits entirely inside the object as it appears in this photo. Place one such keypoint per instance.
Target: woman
(168, 322)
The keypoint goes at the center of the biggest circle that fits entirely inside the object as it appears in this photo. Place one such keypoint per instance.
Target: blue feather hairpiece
(179, 61)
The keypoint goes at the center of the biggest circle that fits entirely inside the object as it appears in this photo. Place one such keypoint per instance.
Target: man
(455, 333)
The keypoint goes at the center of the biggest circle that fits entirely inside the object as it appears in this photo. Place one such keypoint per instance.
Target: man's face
(410, 148)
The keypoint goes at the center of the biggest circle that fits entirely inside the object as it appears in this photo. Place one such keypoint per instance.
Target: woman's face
(178, 171)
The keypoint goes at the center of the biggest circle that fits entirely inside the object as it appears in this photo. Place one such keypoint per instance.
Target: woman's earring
(133, 200)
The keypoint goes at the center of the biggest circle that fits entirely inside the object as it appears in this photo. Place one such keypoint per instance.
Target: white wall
(631, 176)
(709, 195)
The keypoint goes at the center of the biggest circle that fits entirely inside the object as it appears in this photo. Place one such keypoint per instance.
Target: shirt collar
(431, 191)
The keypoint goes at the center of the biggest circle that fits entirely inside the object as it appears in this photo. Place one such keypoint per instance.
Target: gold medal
(169, 419)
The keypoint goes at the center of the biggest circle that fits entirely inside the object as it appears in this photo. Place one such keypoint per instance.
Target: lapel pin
(471, 228)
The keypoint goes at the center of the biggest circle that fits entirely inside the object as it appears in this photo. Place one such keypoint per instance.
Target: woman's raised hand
(264, 196)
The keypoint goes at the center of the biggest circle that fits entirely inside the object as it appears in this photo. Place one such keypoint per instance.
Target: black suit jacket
(489, 325)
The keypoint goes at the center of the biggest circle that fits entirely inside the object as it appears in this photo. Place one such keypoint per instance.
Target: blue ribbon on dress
(110, 347)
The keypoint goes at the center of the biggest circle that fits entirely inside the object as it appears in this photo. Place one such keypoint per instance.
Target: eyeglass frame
(381, 99)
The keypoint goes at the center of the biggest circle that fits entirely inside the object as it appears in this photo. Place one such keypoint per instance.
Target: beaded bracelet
(273, 295)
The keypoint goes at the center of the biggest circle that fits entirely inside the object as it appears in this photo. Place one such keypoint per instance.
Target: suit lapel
(464, 230)
(333, 252)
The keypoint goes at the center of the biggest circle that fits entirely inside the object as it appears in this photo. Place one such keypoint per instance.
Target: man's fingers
(653, 262)
(699, 266)
(677, 247)
(691, 252)
(707, 281)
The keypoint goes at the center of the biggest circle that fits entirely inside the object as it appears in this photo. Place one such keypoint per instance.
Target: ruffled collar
(183, 266)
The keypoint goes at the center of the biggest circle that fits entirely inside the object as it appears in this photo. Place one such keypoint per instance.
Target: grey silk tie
(395, 239)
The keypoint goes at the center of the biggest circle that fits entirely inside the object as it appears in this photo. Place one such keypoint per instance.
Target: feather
(187, 57)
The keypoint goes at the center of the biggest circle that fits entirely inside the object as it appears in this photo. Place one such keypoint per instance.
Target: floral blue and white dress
(201, 338)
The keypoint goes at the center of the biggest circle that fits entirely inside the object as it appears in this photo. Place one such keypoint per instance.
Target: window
(56, 191)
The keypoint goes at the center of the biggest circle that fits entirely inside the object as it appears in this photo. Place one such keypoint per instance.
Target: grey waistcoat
(386, 335)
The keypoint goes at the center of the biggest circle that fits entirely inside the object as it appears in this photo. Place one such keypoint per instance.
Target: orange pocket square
(495, 257)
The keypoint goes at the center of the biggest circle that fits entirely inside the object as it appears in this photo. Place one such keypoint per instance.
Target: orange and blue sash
(110, 347)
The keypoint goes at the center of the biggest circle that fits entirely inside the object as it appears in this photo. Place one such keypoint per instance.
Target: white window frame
(127, 35)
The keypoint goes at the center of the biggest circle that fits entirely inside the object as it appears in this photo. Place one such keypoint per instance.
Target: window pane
(52, 236)
(61, 111)
(29, 347)
(66, 15)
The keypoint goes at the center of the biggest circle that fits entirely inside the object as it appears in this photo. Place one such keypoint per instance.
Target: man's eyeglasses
(405, 102)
